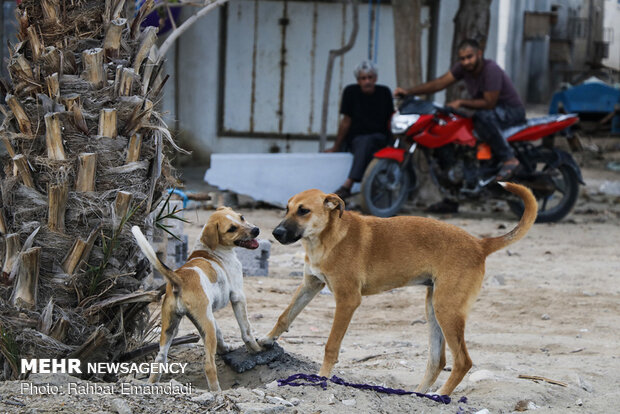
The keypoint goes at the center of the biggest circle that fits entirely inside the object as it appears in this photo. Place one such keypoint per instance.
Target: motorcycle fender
(566, 158)
(397, 154)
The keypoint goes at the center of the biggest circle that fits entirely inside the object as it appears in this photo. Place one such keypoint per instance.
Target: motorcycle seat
(510, 131)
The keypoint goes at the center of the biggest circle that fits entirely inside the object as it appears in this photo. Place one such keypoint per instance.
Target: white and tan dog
(211, 277)
(359, 255)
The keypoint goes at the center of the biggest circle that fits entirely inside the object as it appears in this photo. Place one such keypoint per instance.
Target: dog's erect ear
(211, 236)
(332, 202)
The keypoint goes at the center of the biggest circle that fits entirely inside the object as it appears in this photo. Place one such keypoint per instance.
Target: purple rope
(298, 380)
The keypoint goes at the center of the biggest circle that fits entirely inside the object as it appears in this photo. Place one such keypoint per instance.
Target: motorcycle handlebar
(402, 98)
(450, 110)
(399, 98)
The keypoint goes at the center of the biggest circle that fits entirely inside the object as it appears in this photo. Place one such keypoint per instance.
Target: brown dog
(211, 277)
(358, 255)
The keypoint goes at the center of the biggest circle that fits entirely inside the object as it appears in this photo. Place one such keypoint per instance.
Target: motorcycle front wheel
(557, 198)
(384, 187)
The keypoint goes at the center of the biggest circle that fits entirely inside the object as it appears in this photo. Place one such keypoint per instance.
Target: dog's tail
(493, 244)
(150, 254)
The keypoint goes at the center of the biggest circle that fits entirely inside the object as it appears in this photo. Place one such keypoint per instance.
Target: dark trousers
(489, 123)
(363, 147)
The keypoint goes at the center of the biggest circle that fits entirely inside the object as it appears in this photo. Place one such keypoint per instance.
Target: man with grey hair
(364, 128)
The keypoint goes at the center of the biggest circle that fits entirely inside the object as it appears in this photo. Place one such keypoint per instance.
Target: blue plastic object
(180, 194)
(589, 98)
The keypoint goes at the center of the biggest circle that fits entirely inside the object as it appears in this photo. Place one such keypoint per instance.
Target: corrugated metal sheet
(275, 63)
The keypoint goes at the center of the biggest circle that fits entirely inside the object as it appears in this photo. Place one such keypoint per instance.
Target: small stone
(483, 411)
(259, 393)
(545, 317)
(272, 385)
(261, 408)
(120, 406)
(331, 400)
(295, 401)
(579, 402)
(498, 280)
(349, 403)
(525, 405)
(203, 398)
(278, 400)
(175, 384)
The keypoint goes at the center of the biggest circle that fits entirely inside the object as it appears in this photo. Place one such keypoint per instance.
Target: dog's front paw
(223, 348)
(266, 342)
(254, 347)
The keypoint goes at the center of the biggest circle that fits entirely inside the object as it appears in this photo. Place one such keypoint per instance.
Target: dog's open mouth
(247, 244)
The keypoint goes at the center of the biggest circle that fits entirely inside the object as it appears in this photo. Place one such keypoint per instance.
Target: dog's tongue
(249, 244)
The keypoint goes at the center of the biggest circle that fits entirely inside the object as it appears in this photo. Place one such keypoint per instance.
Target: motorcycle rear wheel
(556, 205)
(384, 187)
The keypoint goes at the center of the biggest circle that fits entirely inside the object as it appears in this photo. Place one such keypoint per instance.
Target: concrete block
(176, 254)
(255, 262)
(274, 178)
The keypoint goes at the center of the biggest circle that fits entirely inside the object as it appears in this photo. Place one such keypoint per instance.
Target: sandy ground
(549, 307)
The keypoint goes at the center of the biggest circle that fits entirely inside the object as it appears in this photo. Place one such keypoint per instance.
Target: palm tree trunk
(471, 22)
(84, 164)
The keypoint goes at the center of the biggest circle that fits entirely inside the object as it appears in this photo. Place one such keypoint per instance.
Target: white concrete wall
(267, 177)
(612, 21)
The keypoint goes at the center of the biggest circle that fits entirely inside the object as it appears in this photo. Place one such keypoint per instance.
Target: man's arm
(433, 86)
(488, 101)
(343, 129)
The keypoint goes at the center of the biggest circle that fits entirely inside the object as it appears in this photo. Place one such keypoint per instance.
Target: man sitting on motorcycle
(494, 98)
(364, 127)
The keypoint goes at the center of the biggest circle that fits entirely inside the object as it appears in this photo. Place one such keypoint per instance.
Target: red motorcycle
(463, 168)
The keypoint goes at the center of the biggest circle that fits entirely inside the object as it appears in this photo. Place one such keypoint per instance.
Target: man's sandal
(343, 193)
(507, 171)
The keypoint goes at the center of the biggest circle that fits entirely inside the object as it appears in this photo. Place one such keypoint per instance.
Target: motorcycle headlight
(401, 123)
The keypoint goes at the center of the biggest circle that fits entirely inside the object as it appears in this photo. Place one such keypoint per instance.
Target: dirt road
(549, 307)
